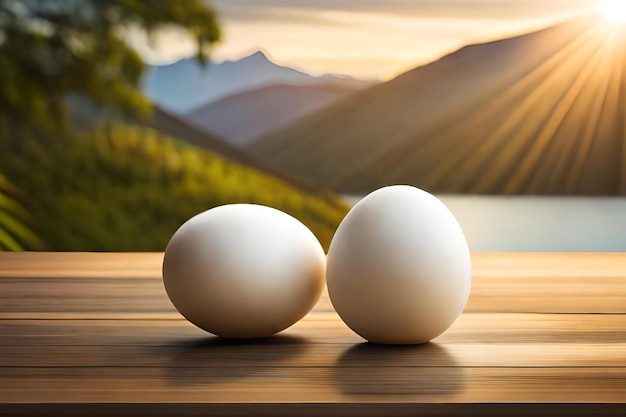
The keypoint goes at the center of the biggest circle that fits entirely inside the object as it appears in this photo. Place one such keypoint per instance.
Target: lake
(547, 224)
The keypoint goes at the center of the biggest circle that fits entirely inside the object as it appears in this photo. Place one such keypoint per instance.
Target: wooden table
(94, 334)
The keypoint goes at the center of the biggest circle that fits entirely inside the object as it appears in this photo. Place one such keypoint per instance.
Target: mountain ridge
(242, 117)
(186, 85)
(479, 120)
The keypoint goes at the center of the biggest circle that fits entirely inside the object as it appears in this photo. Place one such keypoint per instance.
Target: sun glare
(614, 10)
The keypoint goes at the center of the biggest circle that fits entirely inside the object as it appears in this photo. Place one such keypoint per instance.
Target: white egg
(399, 269)
(244, 270)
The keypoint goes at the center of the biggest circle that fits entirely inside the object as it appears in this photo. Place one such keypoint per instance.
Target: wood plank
(493, 294)
(81, 264)
(148, 264)
(474, 340)
(554, 283)
(211, 355)
(545, 264)
(142, 265)
(83, 295)
(275, 384)
(470, 328)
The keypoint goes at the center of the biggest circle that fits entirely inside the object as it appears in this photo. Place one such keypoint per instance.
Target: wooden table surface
(95, 334)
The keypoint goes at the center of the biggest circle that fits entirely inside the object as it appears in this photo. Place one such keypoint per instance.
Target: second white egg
(398, 268)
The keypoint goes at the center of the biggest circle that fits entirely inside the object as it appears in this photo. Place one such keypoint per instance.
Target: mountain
(177, 127)
(540, 113)
(186, 84)
(245, 116)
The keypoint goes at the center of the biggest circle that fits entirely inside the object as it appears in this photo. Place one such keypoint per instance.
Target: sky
(369, 39)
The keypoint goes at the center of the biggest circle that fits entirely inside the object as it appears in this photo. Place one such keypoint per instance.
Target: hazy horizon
(371, 39)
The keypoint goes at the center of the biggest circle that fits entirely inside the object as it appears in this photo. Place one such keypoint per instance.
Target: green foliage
(124, 188)
(14, 235)
(116, 187)
(49, 48)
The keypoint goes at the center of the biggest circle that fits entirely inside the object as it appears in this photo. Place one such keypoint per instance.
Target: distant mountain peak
(185, 85)
(258, 55)
(261, 59)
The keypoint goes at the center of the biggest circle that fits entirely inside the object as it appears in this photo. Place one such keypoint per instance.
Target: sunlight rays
(492, 157)
(522, 90)
(561, 124)
(538, 114)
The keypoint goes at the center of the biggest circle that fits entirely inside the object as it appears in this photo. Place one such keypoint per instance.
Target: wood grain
(94, 333)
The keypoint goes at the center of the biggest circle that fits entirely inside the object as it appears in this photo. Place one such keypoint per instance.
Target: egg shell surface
(243, 270)
(398, 267)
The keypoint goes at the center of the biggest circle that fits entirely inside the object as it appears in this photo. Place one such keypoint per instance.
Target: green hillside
(14, 234)
(124, 188)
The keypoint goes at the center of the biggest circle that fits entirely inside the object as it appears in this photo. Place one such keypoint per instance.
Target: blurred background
(121, 119)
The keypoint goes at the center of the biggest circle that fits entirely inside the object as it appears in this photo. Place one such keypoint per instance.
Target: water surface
(548, 224)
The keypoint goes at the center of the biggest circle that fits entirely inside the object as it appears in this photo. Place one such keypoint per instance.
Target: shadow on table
(371, 369)
(215, 360)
